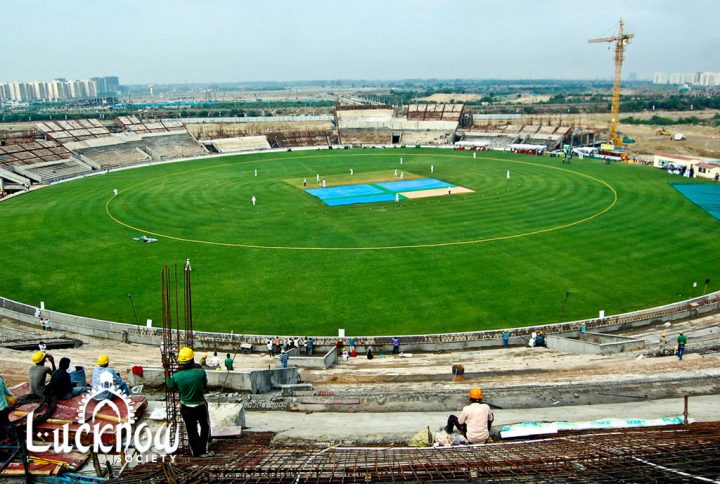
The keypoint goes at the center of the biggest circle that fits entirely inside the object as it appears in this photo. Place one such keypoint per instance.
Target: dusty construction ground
(489, 368)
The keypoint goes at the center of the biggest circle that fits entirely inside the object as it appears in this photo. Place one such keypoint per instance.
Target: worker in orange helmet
(475, 419)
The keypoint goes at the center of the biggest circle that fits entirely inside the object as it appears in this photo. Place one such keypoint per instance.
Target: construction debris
(637, 455)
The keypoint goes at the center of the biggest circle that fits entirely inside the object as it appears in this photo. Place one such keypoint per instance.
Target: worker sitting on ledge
(104, 377)
(474, 420)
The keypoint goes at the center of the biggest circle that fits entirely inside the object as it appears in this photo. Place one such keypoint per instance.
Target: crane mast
(621, 40)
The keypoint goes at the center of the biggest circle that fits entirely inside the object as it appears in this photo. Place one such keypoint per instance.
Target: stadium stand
(239, 144)
(501, 137)
(551, 137)
(425, 124)
(114, 155)
(174, 144)
(135, 125)
(12, 182)
(495, 137)
(364, 117)
(52, 171)
(426, 137)
(32, 153)
(67, 131)
(292, 139)
(366, 136)
(130, 148)
(435, 112)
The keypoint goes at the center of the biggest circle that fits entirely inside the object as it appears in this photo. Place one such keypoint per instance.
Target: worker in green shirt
(191, 382)
(682, 341)
(228, 362)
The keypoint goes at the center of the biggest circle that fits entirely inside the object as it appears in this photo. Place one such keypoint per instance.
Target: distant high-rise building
(59, 88)
(660, 78)
(107, 85)
(690, 78)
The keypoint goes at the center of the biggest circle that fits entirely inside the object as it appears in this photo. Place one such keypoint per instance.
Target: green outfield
(618, 237)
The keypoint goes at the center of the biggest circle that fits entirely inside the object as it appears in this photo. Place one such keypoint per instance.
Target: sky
(175, 41)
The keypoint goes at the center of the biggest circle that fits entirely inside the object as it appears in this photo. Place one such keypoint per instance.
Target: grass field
(618, 237)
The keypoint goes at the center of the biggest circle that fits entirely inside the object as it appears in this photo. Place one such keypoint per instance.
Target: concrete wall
(254, 381)
(593, 343)
(300, 360)
(430, 342)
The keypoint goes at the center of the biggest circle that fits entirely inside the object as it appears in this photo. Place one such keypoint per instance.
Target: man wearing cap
(105, 377)
(38, 373)
(475, 419)
(191, 382)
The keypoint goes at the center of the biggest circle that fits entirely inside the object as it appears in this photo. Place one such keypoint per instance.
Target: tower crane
(622, 39)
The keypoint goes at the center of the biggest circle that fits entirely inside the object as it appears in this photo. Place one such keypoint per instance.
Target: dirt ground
(516, 365)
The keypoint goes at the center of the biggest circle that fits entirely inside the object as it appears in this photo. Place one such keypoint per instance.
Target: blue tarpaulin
(704, 195)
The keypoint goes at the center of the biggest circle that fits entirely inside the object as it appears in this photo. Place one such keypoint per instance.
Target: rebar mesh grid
(665, 454)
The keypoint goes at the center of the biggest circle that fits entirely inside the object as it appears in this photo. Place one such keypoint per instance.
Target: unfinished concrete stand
(593, 343)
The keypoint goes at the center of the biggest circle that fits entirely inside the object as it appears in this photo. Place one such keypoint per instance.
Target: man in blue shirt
(105, 377)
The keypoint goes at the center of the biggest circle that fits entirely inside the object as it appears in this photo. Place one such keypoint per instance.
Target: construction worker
(663, 343)
(214, 361)
(38, 373)
(191, 382)
(203, 360)
(105, 377)
(7, 401)
(681, 342)
(475, 419)
(506, 338)
(60, 386)
(229, 362)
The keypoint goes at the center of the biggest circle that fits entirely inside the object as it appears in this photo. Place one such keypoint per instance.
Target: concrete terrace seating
(364, 116)
(32, 153)
(290, 139)
(176, 145)
(550, 141)
(134, 125)
(128, 148)
(426, 137)
(439, 112)
(115, 156)
(239, 144)
(54, 170)
(366, 136)
(496, 140)
(72, 130)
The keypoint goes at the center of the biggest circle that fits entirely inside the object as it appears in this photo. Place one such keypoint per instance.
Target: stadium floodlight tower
(622, 39)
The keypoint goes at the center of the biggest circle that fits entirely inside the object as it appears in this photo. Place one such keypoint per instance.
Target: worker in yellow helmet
(106, 382)
(663, 343)
(474, 420)
(190, 380)
(38, 373)
(681, 342)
